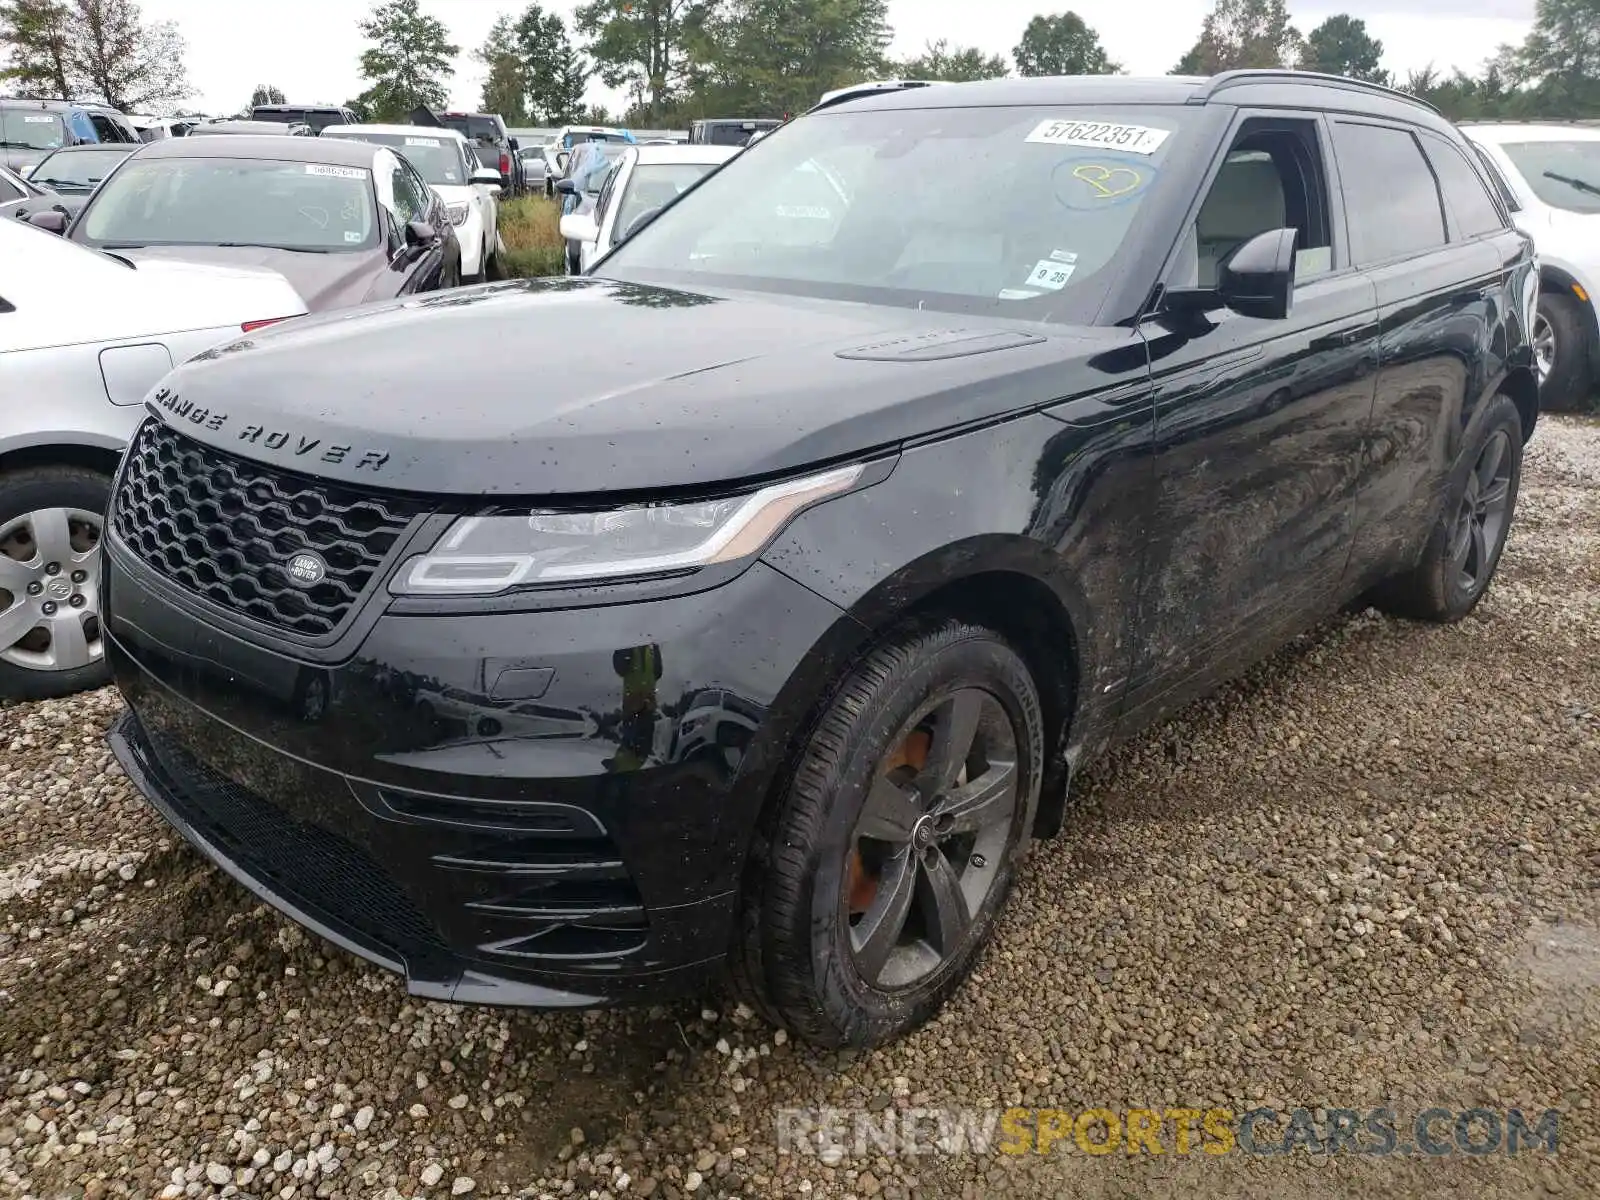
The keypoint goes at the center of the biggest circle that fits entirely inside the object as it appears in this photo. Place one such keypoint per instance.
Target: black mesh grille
(307, 865)
(224, 528)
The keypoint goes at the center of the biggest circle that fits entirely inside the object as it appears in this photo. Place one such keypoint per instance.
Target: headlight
(486, 554)
(458, 212)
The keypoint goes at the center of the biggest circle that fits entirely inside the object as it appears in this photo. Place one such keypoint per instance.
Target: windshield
(76, 169)
(224, 201)
(21, 129)
(1562, 174)
(655, 185)
(733, 133)
(437, 159)
(1019, 211)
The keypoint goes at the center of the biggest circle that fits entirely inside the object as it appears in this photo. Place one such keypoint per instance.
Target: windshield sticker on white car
(335, 172)
(434, 142)
(1051, 274)
(1018, 293)
(44, 120)
(804, 212)
(1100, 135)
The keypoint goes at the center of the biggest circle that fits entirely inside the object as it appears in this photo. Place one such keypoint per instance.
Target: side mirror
(420, 233)
(52, 220)
(515, 145)
(567, 187)
(489, 176)
(576, 228)
(1255, 280)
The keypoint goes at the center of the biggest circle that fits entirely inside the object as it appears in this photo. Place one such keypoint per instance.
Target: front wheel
(1464, 549)
(51, 519)
(894, 849)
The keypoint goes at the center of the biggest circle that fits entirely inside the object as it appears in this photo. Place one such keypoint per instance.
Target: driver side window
(1272, 178)
(409, 205)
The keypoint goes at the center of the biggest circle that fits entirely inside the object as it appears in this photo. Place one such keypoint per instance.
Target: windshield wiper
(273, 246)
(1582, 185)
(122, 245)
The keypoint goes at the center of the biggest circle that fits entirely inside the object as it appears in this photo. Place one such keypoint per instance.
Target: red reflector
(252, 326)
(505, 164)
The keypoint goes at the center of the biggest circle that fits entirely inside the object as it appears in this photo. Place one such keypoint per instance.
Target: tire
(824, 870)
(1569, 385)
(26, 672)
(1444, 587)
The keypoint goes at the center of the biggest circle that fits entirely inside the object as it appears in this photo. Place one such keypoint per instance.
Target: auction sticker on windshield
(434, 142)
(1100, 135)
(335, 172)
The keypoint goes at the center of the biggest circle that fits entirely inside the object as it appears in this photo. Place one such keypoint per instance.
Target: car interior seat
(1246, 199)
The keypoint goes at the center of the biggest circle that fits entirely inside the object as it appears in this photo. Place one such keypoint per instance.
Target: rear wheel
(1562, 354)
(51, 519)
(894, 848)
(1464, 550)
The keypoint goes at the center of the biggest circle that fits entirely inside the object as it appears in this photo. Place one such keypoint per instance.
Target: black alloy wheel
(1485, 510)
(930, 839)
(880, 872)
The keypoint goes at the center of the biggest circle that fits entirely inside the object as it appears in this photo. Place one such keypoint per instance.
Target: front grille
(335, 880)
(224, 528)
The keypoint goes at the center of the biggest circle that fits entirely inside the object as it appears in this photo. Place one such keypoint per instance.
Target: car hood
(452, 193)
(324, 281)
(654, 389)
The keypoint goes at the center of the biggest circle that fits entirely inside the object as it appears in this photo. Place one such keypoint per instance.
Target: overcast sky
(310, 47)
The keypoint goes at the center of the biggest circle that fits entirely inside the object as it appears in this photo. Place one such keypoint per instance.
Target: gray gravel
(1367, 874)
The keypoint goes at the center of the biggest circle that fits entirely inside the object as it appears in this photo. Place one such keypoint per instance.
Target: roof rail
(872, 88)
(1227, 79)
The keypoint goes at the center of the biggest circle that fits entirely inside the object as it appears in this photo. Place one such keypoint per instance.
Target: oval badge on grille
(306, 569)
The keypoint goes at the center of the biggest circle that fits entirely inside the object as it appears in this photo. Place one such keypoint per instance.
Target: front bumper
(579, 848)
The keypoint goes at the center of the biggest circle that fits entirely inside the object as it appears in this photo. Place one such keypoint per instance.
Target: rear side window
(1492, 169)
(1473, 212)
(1391, 198)
(9, 190)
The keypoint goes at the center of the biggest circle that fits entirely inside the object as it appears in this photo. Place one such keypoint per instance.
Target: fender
(1554, 278)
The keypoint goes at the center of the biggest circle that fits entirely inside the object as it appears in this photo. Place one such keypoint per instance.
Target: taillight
(252, 326)
(505, 166)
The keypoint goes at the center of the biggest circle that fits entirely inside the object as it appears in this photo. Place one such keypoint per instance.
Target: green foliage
(642, 45)
(554, 74)
(407, 62)
(1062, 45)
(939, 61)
(1341, 45)
(267, 93)
(1243, 33)
(761, 58)
(35, 36)
(92, 49)
(505, 86)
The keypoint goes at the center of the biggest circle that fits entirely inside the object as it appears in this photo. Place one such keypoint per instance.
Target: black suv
(774, 639)
(317, 116)
(492, 142)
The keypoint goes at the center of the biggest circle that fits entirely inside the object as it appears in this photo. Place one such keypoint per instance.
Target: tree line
(91, 50)
(677, 60)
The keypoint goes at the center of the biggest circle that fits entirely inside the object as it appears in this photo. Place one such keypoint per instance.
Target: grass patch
(530, 227)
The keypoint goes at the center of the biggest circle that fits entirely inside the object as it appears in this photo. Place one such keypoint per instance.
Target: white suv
(1549, 176)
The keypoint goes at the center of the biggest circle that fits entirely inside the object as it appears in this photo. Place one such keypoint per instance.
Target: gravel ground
(1367, 874)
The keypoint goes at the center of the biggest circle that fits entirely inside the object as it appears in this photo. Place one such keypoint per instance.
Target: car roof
(1278, 88)
(333, 108)
(1506, 131)
(652, 153)
(101, 147)
(43, 105)
(432, 131)
(342, 152)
